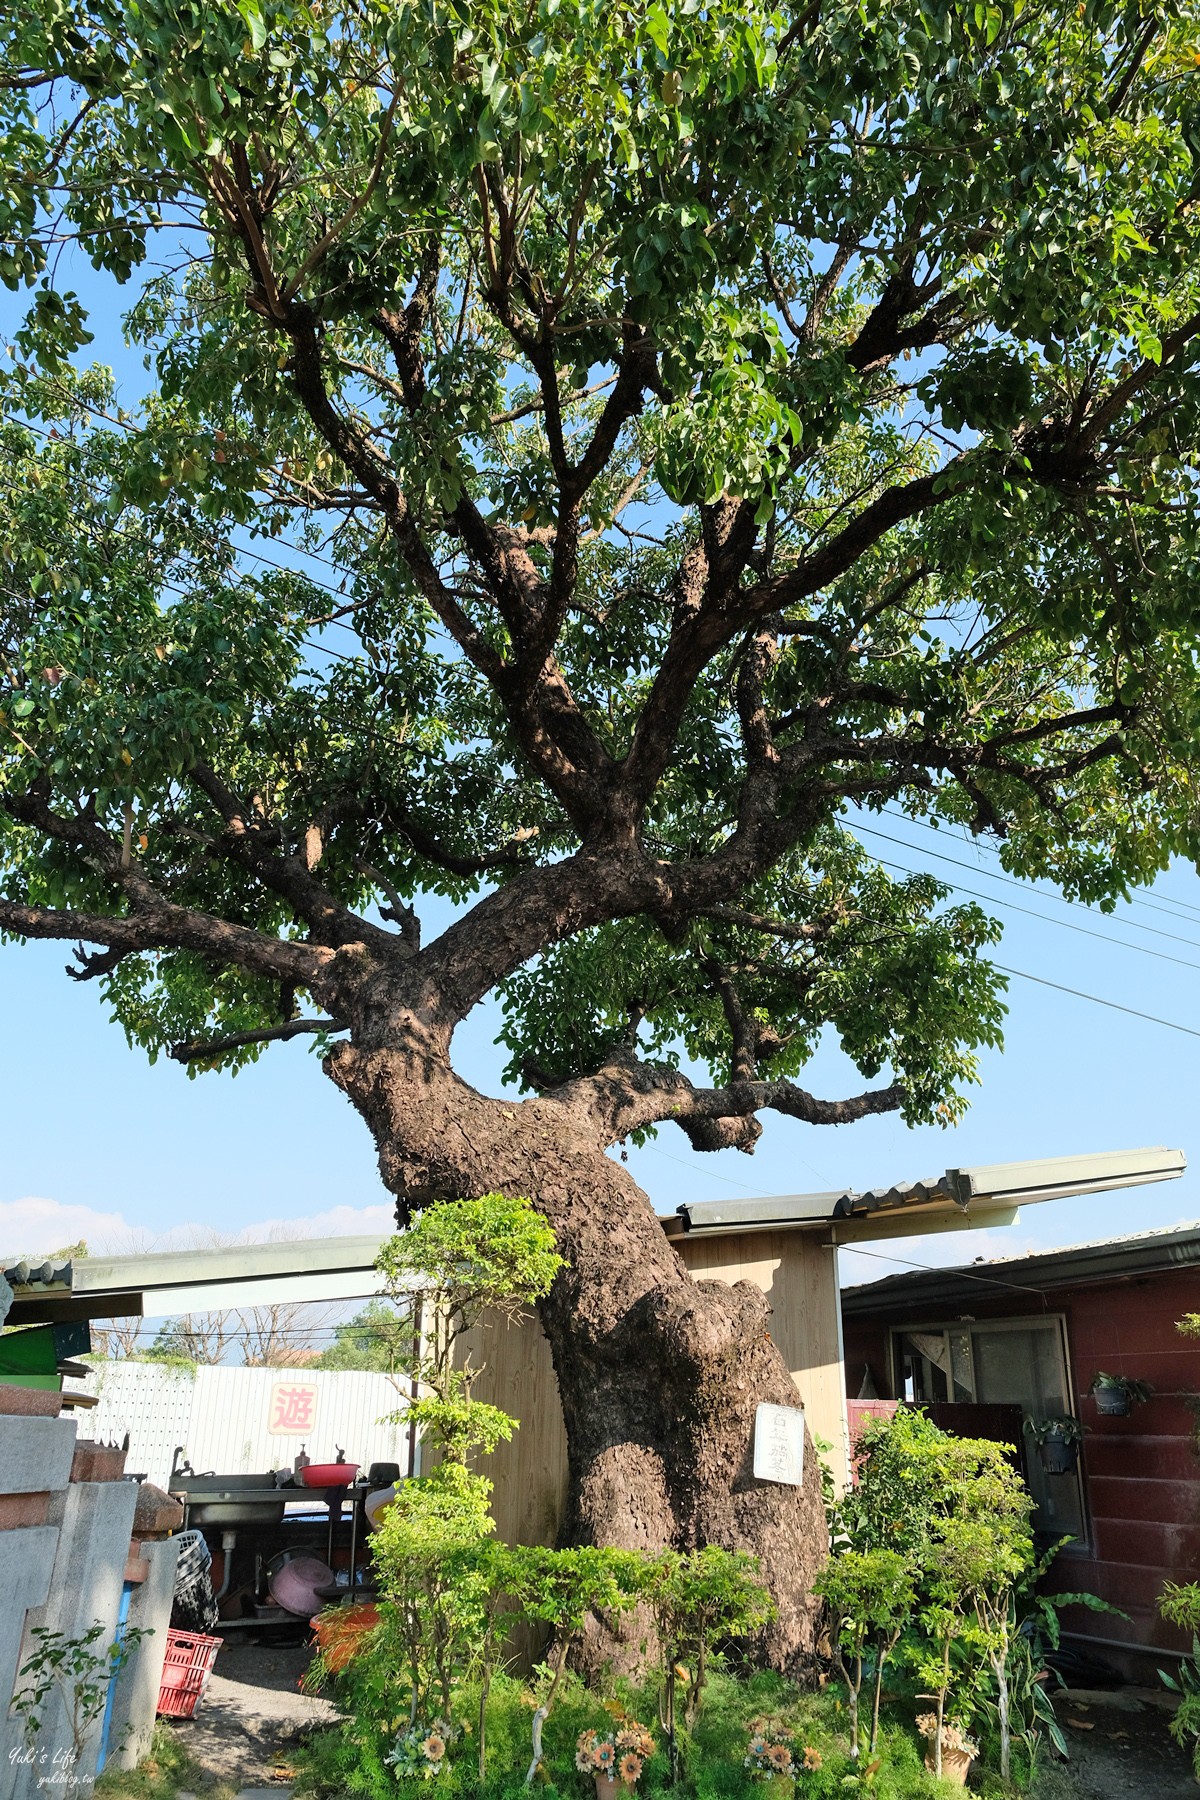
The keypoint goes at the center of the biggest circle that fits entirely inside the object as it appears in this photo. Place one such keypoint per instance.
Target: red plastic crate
(186, 1669)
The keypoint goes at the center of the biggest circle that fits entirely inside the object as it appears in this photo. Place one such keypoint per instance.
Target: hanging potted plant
(1117, 1395)
(1058, 1440)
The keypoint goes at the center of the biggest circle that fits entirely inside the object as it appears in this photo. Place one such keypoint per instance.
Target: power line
(1102, 937)
(934, 1269)
(1113, 1005)
(335, 593)
(1164, 904)
(713, 1176)
(1060, 924)
(1012, 881)
(696, 1170)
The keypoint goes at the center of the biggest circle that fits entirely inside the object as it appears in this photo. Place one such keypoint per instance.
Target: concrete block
(35, 1454)
(136, 1695)
(26, 1562)
(157, 1513)
(85, 1588)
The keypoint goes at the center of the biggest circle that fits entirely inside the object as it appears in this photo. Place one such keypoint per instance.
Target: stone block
(135, 1699)
(26, 1562)
(157, 1513)
(97, 1462)
(136, 1566)
(30, 1402)
(17, 1510)
(35, 1454)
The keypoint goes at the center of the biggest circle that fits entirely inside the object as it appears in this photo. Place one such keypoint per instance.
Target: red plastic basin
(328, 1475)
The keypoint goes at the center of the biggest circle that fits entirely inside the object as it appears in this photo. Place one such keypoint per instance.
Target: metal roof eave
(1124, 1258)
(229, 1265)
(987, 1187)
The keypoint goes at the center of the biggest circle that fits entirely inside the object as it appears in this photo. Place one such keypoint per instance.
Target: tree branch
(628, 1095)
(197, 1050)
(246, 842)
(169, 927)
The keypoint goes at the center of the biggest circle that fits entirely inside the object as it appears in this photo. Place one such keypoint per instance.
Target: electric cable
(1164, 904)
(1060, 924)
(1113, 1005)
(1168, 1024)
(1015, 881)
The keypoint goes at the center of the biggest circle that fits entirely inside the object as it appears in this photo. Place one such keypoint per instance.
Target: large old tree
(711, 420)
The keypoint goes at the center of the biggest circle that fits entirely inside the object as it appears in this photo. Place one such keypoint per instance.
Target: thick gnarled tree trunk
(659, 1375)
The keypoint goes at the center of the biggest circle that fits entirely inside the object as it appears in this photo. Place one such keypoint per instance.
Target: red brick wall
(1141, 1474)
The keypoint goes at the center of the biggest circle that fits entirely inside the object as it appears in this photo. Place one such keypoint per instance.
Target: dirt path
(1127, 1754)
(252, 1714)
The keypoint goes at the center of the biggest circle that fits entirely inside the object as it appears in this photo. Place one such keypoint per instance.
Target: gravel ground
(252, 1713)
(1121, 1750)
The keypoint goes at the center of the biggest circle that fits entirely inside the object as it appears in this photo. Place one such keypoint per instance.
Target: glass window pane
(924, 1366)
(962, 1365)
(1023, 1365)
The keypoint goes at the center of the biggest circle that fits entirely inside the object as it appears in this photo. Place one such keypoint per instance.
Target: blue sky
(99, 1144)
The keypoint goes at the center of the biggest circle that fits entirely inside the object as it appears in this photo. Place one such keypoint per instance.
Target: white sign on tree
(779, 1444)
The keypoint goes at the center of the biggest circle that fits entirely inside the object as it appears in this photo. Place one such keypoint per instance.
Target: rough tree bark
(659, 1374)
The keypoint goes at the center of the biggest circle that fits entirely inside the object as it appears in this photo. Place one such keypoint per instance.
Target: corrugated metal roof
(1134, 1253)
(985, 1186)
(25, 1273)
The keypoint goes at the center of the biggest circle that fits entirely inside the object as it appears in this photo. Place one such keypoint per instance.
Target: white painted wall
(223, 1416)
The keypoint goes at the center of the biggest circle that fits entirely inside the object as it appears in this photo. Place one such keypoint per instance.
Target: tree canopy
(715, 419)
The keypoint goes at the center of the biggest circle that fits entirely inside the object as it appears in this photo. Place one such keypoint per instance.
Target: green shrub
(1180, 1604)
(716, 1769)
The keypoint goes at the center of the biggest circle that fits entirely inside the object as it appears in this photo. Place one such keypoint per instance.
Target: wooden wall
(794, 1270)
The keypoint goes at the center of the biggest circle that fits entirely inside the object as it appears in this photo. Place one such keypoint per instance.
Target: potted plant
(772, 1758)
(616, 1759)
(958, 1752)
(1116, 1395)
(1058, 1440)
(420, 1751)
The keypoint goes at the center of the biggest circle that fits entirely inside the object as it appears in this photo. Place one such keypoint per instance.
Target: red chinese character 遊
(292, 1408)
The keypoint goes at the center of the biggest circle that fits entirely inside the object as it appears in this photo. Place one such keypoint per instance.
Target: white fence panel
(150, 1401)
(245, 1420)
(238, 1421)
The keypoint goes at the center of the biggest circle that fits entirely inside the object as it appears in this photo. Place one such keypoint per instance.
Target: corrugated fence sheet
(236, 1421)
(150, 1401)
(248, 1419)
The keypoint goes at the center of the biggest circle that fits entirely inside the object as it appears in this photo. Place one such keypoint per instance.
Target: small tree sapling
(870, 1597)
(699, 1599)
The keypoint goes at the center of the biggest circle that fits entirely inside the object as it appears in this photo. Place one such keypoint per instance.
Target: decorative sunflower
(812, 1758)
(780, 1758)
(629, 1767)
(434, 1747)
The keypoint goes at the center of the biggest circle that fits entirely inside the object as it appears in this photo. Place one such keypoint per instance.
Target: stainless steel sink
(231, 1499)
